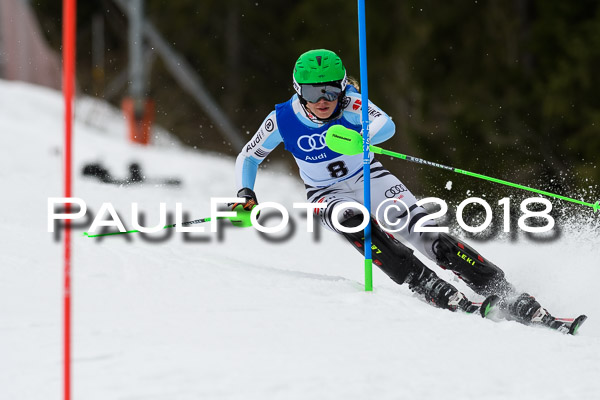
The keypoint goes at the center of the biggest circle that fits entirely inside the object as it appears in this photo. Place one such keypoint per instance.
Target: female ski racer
(324, 97)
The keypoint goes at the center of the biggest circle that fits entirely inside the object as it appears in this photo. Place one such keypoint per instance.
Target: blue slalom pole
(362, 46)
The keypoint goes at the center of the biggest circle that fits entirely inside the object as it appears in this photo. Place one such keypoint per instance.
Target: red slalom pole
(68, 51)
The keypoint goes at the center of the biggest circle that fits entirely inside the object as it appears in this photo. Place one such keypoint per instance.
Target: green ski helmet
(318, 68)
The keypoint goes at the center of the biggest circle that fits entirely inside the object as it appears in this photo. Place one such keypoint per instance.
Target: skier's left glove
(244, 208)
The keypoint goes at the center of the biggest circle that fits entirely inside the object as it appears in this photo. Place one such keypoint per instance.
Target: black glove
(243, 221)
(250, 200)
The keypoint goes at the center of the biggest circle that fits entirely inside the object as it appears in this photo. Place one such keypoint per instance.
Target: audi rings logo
(395, 190)
(313, 142)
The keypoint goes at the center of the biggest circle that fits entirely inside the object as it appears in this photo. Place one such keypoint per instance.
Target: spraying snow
(235, 316)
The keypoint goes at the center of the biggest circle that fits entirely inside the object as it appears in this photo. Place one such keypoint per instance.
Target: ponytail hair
(354, 82)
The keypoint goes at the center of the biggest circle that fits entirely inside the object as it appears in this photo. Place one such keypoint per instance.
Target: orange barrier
(140, 121)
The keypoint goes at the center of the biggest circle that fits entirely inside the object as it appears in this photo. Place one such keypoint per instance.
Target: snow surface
(233, 316)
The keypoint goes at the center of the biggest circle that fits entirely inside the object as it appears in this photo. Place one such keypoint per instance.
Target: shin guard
(480, 274)
(391, 256)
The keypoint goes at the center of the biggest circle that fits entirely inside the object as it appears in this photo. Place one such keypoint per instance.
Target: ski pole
(347, 141)
(196, 221)
(242, 220)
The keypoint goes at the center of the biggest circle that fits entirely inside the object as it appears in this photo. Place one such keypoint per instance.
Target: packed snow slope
(234, 316)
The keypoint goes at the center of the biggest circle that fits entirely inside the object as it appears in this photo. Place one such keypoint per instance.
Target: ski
(573, 323)
(569, 326)
(488, 305)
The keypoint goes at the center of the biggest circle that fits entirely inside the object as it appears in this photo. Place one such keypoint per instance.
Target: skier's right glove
(244, 208)
(249, 203)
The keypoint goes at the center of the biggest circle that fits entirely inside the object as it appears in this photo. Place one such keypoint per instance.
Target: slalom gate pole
(362, 45)
(346, 141)
(68, 51)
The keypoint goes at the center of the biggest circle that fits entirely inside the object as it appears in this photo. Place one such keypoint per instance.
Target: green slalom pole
(347, 141)
(241, 220)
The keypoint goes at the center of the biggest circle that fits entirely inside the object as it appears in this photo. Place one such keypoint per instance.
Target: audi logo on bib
(313, 142)
(394, 190)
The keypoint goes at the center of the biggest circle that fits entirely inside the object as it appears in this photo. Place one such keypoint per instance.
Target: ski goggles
(314, 93)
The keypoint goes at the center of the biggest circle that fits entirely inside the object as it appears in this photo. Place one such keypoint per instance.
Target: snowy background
(235, 316)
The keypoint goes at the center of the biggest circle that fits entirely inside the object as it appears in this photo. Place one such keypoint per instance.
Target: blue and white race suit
(331, 177)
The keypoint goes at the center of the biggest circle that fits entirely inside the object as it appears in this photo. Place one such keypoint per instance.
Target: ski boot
(526, 310)
(439, 292)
